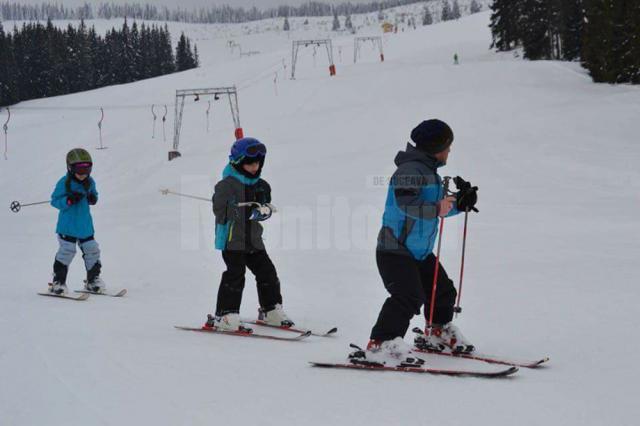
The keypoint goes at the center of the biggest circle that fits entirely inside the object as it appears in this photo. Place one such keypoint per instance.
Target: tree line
(603, 34)
(209, 15)
(39, 60)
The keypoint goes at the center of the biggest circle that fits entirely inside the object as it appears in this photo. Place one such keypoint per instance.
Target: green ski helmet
(79, 161)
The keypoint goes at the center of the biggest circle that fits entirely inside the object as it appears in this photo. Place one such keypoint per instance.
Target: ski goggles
(257, 150)
(252, 151)
(81, 168)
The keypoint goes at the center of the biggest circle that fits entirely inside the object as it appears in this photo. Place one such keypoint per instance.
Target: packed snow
(551, 257)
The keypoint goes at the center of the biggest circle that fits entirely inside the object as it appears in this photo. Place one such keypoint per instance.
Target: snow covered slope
(552, 255)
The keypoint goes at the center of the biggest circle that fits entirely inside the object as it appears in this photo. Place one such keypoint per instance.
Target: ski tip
(511, 371)
(541, 363)
(334, 330)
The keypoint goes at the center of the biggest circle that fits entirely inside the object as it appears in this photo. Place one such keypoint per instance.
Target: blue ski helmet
(245, 148)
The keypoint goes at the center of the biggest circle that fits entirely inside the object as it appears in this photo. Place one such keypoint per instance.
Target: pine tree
(504, 24)
(535, 34)
(96, 55)
(475, 7)
(623, 40)
(85, 72)
(182, 54)
(427, 18)
(632, 59)
(134, 66)
(9, 73)
(127, 57)
(165, 52)
(572, 27)
(598, 38)
(446, 11)
(336, 21)
(347, 22)
(455, 12)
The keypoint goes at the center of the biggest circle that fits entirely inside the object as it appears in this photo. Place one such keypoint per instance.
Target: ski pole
(457, 308)
(195, 197)
(437, 266)
(168, 191)
(15, 206)
(435, 274)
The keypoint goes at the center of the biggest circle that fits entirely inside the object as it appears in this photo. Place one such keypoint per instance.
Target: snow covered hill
(551, 261)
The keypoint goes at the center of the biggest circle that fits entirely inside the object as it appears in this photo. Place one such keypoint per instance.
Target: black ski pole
(457, 308)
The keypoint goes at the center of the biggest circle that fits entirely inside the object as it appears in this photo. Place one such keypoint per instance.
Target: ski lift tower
(216, 92)
(296, 44)
(357, 42)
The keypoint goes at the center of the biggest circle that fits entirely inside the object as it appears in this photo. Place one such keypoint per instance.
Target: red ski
(246, 333)
(490, 359)
(423, 370)
(293, 329)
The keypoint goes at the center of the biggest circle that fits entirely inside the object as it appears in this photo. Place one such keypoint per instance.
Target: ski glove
(92, 199)
(74, 198)
(261, 213)
(467, 195)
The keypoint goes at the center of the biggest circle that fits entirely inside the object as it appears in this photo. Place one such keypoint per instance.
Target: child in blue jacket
(73, 195)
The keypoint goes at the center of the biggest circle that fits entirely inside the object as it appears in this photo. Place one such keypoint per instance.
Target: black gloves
(92, 198)
(467, 195)
(74, 198)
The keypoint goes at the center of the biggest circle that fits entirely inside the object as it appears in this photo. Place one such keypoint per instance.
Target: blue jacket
(410, 221)
(73, 221)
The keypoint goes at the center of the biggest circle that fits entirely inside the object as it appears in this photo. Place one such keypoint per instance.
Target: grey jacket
(234, 230)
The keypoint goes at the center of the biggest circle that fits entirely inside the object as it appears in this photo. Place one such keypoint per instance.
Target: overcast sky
(261, 4)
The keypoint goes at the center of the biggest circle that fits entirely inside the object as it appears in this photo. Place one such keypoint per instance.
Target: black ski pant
(409, 282)
(232, 283)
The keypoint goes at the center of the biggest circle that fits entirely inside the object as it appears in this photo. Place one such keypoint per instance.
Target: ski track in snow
(551, 257)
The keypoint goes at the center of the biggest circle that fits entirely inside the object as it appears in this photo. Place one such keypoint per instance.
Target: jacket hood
(233, 172)
(411, 153)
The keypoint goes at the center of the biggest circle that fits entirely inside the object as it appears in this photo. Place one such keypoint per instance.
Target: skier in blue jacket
(415, 204)
(72, 196)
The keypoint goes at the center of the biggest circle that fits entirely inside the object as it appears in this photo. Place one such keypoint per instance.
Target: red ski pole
(457, 308)
(435, 274)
